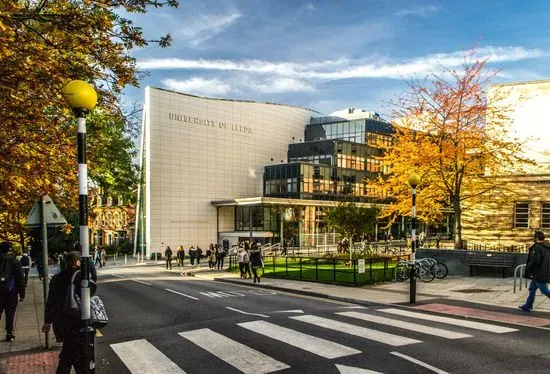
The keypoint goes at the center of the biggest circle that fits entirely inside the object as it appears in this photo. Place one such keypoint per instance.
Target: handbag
(98, 314)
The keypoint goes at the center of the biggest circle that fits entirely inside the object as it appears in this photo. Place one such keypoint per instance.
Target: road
(162, 322)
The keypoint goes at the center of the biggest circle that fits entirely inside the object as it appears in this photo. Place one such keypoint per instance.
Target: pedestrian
(66, 326)
(25, 262)
(283, 252)
(537, 269)
(256, 261)
(36, 256)
(103, 255)
(199, 255)
(220, 255)
(192, 254)
(212, 258)
(240, 260)
(97, 258)
(180, 255)
(168, 255)
(247, 273)
(12, 284)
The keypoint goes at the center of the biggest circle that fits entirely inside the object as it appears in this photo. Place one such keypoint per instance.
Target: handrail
(521, 269)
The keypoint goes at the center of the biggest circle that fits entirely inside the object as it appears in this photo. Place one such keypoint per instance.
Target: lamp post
(414, 180)
(82, 98)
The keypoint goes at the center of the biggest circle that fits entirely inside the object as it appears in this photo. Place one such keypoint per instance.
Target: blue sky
(329, 55)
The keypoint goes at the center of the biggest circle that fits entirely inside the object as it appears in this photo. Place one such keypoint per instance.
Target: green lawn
(328, 270)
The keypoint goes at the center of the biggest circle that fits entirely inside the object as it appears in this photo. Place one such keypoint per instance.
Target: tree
(43, 45)
(350, 220)
(456, 138)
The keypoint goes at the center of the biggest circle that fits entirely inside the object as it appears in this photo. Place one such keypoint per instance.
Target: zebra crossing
(140, 356)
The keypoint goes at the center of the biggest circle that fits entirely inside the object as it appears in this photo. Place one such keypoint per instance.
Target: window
(521, 216)
(545, 216)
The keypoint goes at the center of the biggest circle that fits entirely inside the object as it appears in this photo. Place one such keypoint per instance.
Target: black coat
(63, 324)
(538, 262)
(17, 274)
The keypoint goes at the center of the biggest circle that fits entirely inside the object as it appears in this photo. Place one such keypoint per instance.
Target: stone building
(111, 220)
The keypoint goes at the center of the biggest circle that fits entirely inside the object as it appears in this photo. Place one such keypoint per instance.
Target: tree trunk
(458, 224)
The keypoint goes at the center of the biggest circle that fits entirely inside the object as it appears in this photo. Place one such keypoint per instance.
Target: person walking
(212, 257)
(97, 258)
(192, 254)
(25, 262)
(66, 326)
(240, 260)
(537, 269)
(103, 256)
(168, 255)
(247, 273)
(199, 255)
(256, 261)
(12, 284)
(220, 255)
(180, 255)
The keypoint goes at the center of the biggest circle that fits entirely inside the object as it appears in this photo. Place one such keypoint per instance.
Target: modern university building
(220, 171)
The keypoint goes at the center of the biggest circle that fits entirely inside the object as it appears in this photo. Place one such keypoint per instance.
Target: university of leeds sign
(209, 123)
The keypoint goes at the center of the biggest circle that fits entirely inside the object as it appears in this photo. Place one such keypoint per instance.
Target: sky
(328, 55)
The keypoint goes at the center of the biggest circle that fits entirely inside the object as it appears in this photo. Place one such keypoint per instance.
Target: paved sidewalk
(485, 298)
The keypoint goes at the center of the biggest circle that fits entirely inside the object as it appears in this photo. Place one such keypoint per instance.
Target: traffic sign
(52, 215)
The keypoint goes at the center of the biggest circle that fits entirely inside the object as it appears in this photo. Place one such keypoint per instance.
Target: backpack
(71, 306)
(7, 282)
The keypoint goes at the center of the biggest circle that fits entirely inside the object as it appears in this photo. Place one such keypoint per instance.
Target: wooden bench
(495, 260)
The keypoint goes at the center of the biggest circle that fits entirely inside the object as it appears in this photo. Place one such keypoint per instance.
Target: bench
(495, 260)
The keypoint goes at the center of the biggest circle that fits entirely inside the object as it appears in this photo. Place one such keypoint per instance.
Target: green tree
(350, 220)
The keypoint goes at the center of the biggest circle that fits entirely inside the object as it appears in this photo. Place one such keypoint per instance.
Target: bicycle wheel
(426, 274)
(441, 270)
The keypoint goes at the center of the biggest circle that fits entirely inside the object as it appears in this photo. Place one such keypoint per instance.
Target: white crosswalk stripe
(318, 346)
(450, 321)
(423, 329)
(141, 357)
(234, 353)
(379, 336)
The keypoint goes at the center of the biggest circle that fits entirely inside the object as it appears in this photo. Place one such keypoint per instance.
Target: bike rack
(521, 269)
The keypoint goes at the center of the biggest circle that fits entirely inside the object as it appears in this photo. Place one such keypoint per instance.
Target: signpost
(45, 214)
(361, 265)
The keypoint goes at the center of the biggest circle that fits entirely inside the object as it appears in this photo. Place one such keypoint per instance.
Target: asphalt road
(163, 323)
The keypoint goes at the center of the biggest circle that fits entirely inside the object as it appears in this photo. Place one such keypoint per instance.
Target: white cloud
(206, 26)
(422, 11)
(329, 70)
(198, 86)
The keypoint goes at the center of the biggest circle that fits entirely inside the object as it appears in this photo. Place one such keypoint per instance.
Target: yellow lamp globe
(80, 94)
(414, 180)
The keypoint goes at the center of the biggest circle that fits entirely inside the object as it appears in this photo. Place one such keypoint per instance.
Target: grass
(328, 270)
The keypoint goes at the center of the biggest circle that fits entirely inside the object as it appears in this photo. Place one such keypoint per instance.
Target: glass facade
(263, 218)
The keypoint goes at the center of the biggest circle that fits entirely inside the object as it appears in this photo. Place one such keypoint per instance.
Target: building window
(521, 216)
(545, 216)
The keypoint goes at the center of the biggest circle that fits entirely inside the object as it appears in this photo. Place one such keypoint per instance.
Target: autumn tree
(456, 138)
(43, 45)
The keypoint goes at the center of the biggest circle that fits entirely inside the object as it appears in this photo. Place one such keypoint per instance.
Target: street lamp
(83, 98)
(414, 180)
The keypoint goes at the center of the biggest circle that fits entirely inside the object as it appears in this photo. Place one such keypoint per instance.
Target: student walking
(211, 255)
(168, 255)
(220, 255)
(192, 255)
(537, 269)
(25, 262)
(180, 255)
(247, 273)
(66, 325)
(240, 260)
(199, 255)
(12, 285)
(256, 261)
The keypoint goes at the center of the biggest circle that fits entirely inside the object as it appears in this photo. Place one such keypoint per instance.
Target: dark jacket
(168, 253)
(17, 274)
(53, 309)
(538, 262)
(256, 258)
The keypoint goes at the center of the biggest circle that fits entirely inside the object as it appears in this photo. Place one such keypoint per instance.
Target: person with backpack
(12, 285)
(180, 255)
(66, 321)
(192, 254)
(25, 262)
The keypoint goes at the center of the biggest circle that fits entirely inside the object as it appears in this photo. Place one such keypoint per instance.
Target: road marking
(451, 321)
(181, 294)
(352, 370)
(263, 292)
(418, 362)
(423, 329)
(379, 336)
(213, 294)
(142, 282)
(318, 346)
(234, 353)
(290, 311)
(247, 313)
(353, 307)
(141, 357)
(119, 276)
(230, 293)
